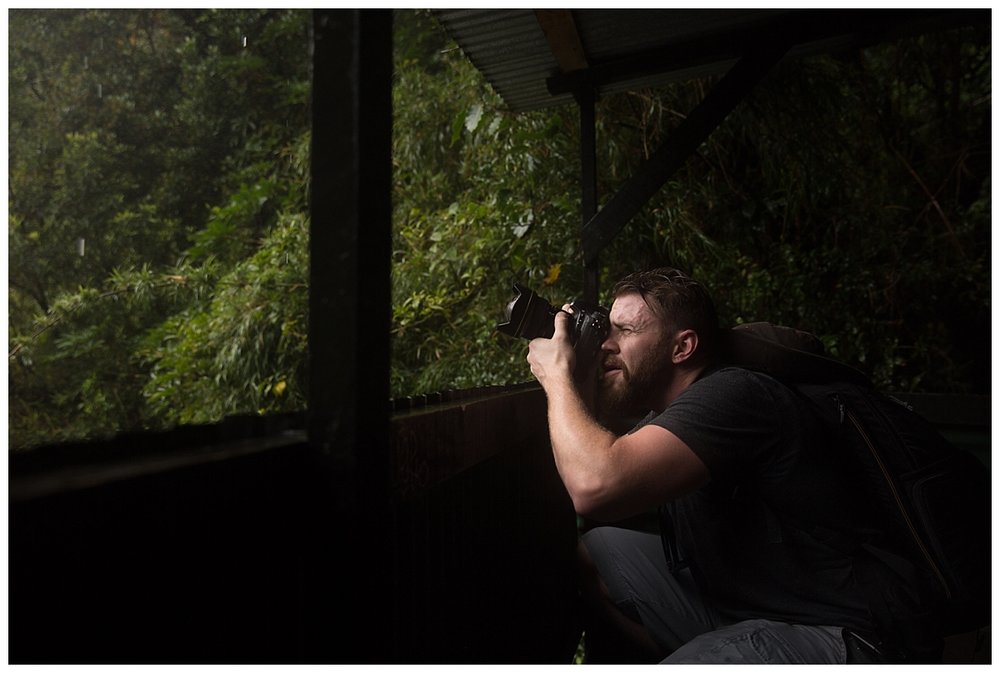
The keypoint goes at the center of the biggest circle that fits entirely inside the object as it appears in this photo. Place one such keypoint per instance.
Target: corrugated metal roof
(634, 48)
(511, 51)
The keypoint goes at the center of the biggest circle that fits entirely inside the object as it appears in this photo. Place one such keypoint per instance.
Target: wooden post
(350, 311)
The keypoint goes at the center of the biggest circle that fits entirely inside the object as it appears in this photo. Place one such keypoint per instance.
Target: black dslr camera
(529, 316)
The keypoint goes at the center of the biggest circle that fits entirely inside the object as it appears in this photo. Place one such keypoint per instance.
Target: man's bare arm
(607, 476)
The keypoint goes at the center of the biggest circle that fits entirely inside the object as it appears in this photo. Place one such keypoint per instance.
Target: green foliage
(246, 348)
(142, 111)
(846, 198)
(174, 144)
(482, 198)
(850, 196)
(76, 373)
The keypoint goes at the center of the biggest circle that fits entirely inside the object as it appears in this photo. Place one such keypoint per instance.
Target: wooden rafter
(563, 38)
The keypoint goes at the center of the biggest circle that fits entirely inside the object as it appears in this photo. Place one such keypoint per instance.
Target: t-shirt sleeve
(732, 419)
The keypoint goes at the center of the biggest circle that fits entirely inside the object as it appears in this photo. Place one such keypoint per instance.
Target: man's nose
(610, 345)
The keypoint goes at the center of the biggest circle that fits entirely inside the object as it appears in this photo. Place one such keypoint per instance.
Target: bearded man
(754, 560)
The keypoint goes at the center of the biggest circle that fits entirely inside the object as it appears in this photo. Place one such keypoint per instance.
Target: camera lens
(528, 316)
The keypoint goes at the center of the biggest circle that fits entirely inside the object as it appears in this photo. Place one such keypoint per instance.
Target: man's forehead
(631, 308)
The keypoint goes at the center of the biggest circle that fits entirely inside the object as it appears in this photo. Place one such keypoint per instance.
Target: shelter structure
(427, 530)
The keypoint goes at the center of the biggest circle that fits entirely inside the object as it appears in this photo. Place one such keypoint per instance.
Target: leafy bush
(849, 196)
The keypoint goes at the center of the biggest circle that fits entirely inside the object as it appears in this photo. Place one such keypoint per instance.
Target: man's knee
(761, 641)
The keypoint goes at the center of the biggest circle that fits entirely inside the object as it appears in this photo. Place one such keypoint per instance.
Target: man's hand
(553, 360)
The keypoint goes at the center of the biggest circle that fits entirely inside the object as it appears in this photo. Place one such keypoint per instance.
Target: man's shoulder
(732, 391)
(734, 380)
(736, 392)
(732, 418)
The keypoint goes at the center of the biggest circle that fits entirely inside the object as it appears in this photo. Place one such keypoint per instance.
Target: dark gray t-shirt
(770, 535)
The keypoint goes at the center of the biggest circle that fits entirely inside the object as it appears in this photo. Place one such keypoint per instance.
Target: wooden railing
(486, 533)
(217, 545)
(221, 545)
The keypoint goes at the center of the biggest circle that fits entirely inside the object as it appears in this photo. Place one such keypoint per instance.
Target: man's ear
(685, 345)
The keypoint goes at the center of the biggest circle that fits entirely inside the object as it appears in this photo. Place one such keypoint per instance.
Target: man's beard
(632, 392)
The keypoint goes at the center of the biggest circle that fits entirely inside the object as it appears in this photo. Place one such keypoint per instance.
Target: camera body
(530, 317)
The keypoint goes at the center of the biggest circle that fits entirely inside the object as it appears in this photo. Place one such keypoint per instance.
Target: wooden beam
(350, 240)
(350, 307)
(810, 30)
(564, 40)
(681, 144)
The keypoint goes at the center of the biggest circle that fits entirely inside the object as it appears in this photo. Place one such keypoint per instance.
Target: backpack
(930, 498)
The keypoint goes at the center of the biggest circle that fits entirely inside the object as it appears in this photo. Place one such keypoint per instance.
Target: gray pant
(670, 607)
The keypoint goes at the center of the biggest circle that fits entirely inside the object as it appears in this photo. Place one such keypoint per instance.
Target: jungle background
(158, 218)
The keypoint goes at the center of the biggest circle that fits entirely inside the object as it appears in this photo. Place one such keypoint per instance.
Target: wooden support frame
(682, 143)
(563, 38)
(350, 237)
(600, 227)
(350, 302)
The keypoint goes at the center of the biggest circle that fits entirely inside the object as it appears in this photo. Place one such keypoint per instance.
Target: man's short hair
(679, 301)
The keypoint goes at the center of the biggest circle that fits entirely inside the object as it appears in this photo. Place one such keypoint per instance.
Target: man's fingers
(561, 326)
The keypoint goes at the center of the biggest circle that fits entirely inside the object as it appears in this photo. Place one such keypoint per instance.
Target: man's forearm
(582, 447)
